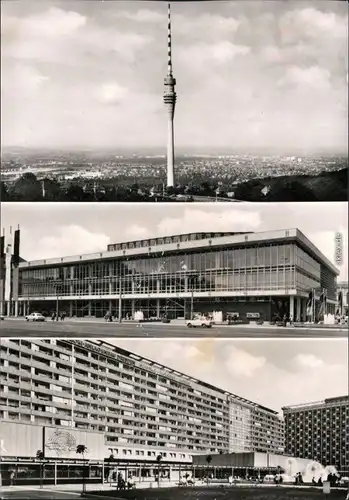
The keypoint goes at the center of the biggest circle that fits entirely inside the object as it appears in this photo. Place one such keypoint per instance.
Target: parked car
(2, 317)
(203, 322)
(35, 317)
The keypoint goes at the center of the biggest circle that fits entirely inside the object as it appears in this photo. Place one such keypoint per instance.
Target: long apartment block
(142, 407)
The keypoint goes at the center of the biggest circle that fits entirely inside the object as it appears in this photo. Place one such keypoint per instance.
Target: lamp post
(120, 300)
(193, 280)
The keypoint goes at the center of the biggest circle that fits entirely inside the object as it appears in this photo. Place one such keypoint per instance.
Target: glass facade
(265, 267)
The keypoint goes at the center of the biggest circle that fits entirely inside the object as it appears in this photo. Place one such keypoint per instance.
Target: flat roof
(313, 404)
(166, 370)
(243, 239)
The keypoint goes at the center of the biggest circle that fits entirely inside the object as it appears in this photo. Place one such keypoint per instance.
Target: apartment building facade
(141, 407)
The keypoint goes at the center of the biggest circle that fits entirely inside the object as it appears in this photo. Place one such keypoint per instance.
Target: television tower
(170, 98)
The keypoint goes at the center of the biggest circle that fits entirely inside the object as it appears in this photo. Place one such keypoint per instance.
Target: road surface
(36, 494)
(21, 328)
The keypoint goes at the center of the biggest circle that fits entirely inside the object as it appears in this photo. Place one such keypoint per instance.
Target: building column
(16, 308)
(298, 307)
(24, 308)
(158, 308)
(110, 306)
(133, 308)
(291, 312)
(89, 308)
(70, 308)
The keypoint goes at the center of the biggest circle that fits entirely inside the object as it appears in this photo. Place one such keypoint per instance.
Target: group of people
(58, 316)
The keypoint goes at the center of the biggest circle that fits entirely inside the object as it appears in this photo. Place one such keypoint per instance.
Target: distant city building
(319, 431)
(135, 407)
(249, 276)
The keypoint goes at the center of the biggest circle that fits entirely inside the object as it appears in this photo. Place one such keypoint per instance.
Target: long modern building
(319, 431)
(116, 402)
(254, 275)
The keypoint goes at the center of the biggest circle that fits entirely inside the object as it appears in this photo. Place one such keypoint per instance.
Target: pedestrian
(12, 478)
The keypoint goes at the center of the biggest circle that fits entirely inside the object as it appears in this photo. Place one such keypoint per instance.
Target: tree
(74, 193)
(158, 459)
(81, 449)
(27, 188)
(4, 196)
(51, 190)
(208, 460)
(40, 456)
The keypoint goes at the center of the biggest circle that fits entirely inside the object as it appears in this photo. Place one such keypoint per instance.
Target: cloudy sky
(59, 229)
(90, 74)
(273, 373)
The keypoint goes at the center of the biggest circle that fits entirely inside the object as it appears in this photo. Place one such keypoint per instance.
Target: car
(35, 317)
(2, 317)
(203, 322)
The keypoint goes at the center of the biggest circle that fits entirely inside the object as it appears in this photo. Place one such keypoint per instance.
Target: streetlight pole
(120, 300)
(57, 304)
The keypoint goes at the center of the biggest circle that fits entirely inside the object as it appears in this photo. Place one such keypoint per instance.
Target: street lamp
(120, 299)
(193, 279)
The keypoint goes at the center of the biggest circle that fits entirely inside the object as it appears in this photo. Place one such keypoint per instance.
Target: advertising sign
(63, 443)
(20, 440)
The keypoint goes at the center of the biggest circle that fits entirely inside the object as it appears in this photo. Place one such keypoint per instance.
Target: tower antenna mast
(170, 98)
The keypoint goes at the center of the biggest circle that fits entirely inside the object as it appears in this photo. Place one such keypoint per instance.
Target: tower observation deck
(170, 98)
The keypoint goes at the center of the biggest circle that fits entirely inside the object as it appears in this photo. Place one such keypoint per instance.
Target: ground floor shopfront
(25, 472)
(247, 307)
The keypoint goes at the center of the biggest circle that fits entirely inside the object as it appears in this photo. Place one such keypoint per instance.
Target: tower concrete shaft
(170, 98)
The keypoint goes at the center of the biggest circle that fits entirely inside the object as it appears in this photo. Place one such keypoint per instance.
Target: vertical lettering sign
(338, 249)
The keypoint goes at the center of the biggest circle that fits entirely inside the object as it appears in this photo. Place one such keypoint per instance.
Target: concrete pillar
(133, 308)
(55, 474)
(89, 308)
(291, 312)
(110, 306)
(158, 308)
(298, 307)
(24, 308)
(70, 308)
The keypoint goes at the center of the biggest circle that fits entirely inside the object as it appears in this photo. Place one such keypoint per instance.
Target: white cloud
(23, 78)
(313, 76)
(242, 363)
(308, 361)
(111, 93)
(196, 220)
(200, 54)
(67, 240)
(312, 23)
(143, 16)
(135, 232)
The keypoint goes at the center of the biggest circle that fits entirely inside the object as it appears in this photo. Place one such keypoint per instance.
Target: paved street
(37, 494)
(71, 328)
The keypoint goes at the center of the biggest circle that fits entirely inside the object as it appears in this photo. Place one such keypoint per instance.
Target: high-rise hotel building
(140, 407)
(319, 431)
